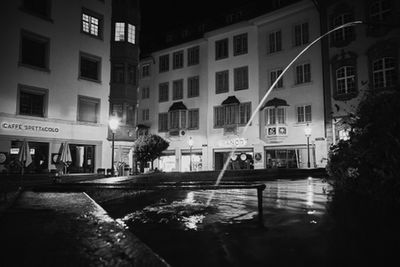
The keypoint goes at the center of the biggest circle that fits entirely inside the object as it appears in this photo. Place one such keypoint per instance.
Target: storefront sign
(235, 142)
(258, 156)
(27, 127)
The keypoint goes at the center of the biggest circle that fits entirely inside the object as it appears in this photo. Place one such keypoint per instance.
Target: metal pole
(308, 151)
(112, 155)
(190, 158)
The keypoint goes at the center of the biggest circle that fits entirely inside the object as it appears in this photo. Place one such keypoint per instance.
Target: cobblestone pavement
(67, 229)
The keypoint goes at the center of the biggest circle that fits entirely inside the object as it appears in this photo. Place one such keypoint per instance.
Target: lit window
(345, 80)
(119, 31)
(131, 34)
(90, 24)
(384, 73)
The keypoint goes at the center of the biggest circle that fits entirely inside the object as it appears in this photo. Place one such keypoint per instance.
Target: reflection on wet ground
(186, 232)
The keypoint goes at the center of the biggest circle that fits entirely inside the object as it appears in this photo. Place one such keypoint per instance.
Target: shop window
(240, 44)
(40, 8)
(39, 153)
(92, 23)
(32, 101)
(177, 89)
(163, 63)
(193, 86)
(193, 55)
(88, 109)
(275, 42)
(221, 49)
(90, 67)
(163, 92)
(163, 122)
(241, 78)
(222, 82)
(177, 60)
(34, 50)
(282, 158)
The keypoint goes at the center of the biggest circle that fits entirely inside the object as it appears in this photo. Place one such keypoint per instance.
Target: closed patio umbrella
(24, 155)
(65, 155)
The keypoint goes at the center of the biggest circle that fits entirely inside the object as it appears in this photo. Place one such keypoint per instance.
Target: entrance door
(83, 158)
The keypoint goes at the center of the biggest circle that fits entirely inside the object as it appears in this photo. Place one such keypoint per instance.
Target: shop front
(167, 161)
(289, 156)
(194, 158)
(241, 159)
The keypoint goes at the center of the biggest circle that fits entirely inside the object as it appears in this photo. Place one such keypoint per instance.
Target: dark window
(301, 34)
(177, 62)
(163, 122)
(229, 115)
(221, 82)
(145, 114)
(92, 23)
(163, 92)
(164, 63)
(118, 71)
(90, 67)
(345, 80)
(130, 114)
(146, 70)
(32, 101)
(193, 119)
(241, 78)
(304, 114)
(274, 75)
(132, 77)
(193, 55)
(221, 49)
(37, 7)
(145, 92)
(177, 89)
(88, 109)
(34, 50)
(117, 110)
(193, 86)
(244, 113)
(240, 44)
(384, 72)
(303, 73)
(275, 42)
(177, 119)
(344, 73)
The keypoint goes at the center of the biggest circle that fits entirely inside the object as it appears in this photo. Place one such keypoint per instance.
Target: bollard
(260, 190)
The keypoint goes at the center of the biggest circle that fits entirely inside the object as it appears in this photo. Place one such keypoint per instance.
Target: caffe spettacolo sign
(27, 127)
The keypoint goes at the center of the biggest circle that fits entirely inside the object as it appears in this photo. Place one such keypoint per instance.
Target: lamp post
(113, 123)
(307, 132)
(190, 142)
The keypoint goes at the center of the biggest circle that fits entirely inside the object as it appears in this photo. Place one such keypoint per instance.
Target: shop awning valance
(177, 106)
(275, 102)
(231, 100)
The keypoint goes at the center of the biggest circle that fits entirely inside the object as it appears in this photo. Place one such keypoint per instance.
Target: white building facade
(55, 83)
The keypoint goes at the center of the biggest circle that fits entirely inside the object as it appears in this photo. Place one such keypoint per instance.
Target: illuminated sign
(234, 142)
(27, 127)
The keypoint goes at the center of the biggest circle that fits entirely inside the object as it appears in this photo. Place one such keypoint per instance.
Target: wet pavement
(181, 228)
(67, 229)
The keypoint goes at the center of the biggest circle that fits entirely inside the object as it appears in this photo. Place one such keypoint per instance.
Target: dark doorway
(83, 158)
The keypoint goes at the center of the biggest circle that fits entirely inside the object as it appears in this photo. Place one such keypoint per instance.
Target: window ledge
(344, 97)
(27, 11)
(20, 64)
(97, 37)
(89, 79)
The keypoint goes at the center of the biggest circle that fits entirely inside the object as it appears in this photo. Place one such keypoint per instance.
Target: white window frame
(131, 34)
(272, 116)
(346, 79)
(119, 35)
(90, 24)
(301, 115)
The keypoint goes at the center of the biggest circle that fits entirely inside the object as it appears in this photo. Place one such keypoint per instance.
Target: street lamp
(307, 132)
(190, 142)
(113, 123)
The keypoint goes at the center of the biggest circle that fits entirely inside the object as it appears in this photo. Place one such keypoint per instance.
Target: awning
(177, 106)
(231, 100)
(275, 102)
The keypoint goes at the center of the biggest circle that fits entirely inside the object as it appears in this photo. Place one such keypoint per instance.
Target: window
(163, 92)
(193, 119)
(177, 60)
(193, 55)
(177, 119)
(384, 72)
(40, 8)
(244, 113)
(275, 116)
(130, 114)
(117, 110)
(91, 23)
(132, 77)
(304, 114)
(145, 92)
(301, 34)
(131, 34)
(221, 49)
(345, 80)
(177, 89)
(240, 44)
(163, 122)
(119, 32)
(221, 82)
(118, 71)
(342, 36)
(274, 74)
(163, 63)
(88, 109)
(219, 116)
(145, 114)
(34, 50)
(146, 70)
(380, 10)
(241, 78)
(89, 67)
(193, 86)
(32, 101)
(303, 73)
(275, 42)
